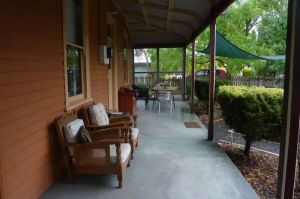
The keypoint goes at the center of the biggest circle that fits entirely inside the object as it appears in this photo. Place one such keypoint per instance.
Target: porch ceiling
(168, 23)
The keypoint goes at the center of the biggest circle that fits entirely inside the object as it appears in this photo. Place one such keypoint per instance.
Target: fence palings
(271, 82)
(150, 81)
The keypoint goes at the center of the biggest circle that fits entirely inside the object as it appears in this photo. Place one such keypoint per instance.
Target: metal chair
(165, 96)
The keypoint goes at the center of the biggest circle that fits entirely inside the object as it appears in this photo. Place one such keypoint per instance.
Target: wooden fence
(270, 82)
(150, 81)
(143, 80)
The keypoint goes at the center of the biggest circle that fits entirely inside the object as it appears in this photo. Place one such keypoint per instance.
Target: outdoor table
(165, 89)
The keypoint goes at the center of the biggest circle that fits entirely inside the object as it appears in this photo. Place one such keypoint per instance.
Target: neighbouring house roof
(168, 23)
(142, 67)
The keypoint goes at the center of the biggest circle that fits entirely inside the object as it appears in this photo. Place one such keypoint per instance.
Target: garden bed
(221, 133)
(221, 130)
(260, 170)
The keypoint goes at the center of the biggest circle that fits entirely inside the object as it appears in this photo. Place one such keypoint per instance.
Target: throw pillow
(83, 135)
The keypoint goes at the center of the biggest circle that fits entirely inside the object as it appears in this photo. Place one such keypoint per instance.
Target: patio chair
(141, 94)
(108, 151)
(114, 118)
(165, 96)
(95, 117)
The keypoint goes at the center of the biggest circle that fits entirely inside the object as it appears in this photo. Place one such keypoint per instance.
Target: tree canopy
(257, 26)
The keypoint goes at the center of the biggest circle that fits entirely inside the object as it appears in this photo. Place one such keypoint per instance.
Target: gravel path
(221, 133)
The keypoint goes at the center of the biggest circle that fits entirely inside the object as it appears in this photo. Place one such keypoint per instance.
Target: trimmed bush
(141, 86)
(202, 88)
(248, 72)
(255, 112)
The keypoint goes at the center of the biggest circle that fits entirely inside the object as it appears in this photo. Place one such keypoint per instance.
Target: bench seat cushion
(135, 133)
(98, 156)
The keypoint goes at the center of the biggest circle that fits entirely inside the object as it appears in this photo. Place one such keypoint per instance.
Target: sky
(141, 59)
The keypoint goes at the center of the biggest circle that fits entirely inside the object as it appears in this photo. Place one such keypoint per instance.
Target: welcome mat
(191, 125)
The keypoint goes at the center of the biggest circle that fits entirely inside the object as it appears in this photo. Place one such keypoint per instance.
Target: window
(76, 63)
(74, 22)
(74, 71)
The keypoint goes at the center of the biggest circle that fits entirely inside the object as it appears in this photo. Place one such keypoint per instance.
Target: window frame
(85, 96)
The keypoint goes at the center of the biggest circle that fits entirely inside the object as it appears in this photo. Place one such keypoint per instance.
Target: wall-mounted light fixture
(105, 53)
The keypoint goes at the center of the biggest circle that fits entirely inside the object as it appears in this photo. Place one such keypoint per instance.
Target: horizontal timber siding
(99, 81)
(32, 94)
(33, 91)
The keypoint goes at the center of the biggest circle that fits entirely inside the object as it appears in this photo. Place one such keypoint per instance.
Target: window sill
(75, 104)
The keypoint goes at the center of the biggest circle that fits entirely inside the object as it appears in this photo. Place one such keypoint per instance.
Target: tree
(257, 26)
(170, 59)
(142, 52)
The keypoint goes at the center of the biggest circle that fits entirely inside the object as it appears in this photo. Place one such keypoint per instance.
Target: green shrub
(248, 72)
(253, 111)
(202, 87)
(141, 86)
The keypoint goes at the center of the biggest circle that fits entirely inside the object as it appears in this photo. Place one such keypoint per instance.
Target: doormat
(191, 125)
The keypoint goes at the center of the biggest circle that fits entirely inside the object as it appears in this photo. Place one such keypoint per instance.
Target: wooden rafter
(211, 2)
(157, 45)
(147, 30)
(139, 19)
(144, 11)
(180, 23)
(136, 27)
(170, 15)
(157, 6)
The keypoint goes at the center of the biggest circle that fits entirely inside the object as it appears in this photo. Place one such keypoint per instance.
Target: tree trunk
(146, 57)
(247, 147)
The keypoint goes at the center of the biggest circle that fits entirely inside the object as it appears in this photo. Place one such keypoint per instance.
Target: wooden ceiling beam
(170, 15)
(180, 23)
(153, 30)
(212, 2)
(138, 19)
(144, 11)
(157, 6)
(157, 45)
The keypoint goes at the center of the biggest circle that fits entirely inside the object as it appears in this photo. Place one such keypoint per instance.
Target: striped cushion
(83, 135)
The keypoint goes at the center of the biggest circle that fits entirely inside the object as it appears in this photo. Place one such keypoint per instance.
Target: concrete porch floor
(171, 162)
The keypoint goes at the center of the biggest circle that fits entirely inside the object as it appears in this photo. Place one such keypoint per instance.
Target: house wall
(33, 91)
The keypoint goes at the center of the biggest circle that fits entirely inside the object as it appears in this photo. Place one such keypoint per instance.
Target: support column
(290, 128)
(193, 77)
(212, 76)
(183, 72)
(133, 67)
(157, 66)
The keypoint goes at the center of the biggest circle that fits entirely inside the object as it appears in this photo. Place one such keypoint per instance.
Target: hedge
(202, 87)
(141, 86)
(255, 112)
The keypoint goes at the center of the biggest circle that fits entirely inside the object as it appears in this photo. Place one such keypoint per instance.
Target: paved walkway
(171, 162)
